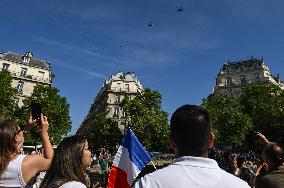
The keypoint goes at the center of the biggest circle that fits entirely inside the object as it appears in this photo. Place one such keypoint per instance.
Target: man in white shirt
(190, 138)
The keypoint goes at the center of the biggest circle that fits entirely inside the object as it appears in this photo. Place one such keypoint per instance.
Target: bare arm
(48, 149)
(32, 164)
(262, 139)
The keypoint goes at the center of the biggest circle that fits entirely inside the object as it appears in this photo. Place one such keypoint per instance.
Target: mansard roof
(11, 56)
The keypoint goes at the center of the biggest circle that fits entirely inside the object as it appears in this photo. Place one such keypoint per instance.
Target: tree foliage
(54, 106)
(229, 123)
(7, 96)
(147, 120)
(265, 105)
(103, 132)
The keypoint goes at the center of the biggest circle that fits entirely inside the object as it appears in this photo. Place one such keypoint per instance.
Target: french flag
(129, 160)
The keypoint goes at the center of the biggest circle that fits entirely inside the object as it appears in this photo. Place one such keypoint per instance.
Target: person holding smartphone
(17, 170)
(273, 158)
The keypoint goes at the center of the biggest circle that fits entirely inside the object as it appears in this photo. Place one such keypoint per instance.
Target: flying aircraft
(150, 24)
(180, 8)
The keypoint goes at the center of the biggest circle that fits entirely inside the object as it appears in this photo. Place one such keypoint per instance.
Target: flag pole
(153, 165)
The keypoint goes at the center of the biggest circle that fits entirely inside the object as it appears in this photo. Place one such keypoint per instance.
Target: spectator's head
(70, 160)
(273, 155)
(191, 131)
(11, 142)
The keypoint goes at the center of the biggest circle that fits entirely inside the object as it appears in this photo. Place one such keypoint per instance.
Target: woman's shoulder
(73, 184)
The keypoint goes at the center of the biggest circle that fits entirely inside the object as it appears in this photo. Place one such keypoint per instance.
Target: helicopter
(180, 8)
(151, 24)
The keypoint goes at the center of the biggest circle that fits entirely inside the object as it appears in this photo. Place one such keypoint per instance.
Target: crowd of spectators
(192, 140)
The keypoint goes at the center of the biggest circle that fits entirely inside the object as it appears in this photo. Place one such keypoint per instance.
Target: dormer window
(27, 59)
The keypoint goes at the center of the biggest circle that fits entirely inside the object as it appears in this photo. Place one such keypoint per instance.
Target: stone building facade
(26, 72)
(111, 94)
(236, 75)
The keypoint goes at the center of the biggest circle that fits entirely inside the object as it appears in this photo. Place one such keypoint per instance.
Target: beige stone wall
(259, 74)
(31, 77)
(112, 93)
(34, 73)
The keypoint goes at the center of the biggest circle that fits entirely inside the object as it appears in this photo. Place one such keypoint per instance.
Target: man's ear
(211, 140)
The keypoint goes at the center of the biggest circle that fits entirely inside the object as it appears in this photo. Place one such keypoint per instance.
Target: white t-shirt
(191, 172)
(73, 184)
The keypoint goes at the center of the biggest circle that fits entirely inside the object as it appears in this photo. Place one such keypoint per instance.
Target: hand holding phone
(36, 111)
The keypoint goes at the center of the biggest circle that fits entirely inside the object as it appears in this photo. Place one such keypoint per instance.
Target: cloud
(67, 48)
(71, 67)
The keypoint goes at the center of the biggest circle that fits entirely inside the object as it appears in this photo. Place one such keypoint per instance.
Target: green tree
(229, 123)
(147, 120)
(8, 95)
(103, 132)
(265, 106)
(54, 106)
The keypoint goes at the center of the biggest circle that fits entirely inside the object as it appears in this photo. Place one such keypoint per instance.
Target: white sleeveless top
(12, 175)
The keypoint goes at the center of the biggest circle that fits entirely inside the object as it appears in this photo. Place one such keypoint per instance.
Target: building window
(24, 72)
(257, 77)
(27, 59)
(127, 87)
(17, 101)
(116, 111)
(229, 81)
(5, 66)
(243, 79)
(20, 86)
(117, 99)
(118, 86)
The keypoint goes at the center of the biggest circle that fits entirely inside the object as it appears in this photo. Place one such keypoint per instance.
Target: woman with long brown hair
(72, 157)
(17, 170)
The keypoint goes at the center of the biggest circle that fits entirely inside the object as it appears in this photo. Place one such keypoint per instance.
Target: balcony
(123, 89)
(244, 82)
(30, 77)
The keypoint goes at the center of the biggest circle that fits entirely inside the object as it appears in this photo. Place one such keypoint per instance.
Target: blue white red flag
(129, 160)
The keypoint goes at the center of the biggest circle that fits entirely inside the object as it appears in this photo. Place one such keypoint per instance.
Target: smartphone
(36, 110)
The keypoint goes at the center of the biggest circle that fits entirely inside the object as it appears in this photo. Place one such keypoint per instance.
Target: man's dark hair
(274, 153)
(190, 129)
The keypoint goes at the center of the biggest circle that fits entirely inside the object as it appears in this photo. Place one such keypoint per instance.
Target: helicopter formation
(151, 23)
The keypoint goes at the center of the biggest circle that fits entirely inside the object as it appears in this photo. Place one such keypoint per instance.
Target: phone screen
(36, 110)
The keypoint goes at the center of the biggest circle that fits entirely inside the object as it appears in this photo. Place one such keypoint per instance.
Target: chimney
(29, 54)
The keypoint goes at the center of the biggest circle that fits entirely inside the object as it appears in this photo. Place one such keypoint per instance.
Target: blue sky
(87, 41)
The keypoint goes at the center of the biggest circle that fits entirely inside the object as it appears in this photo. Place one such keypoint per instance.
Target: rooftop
(11, 56)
